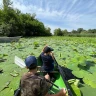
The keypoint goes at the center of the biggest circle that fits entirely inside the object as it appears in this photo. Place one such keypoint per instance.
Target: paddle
(53, 84)
(21, 63)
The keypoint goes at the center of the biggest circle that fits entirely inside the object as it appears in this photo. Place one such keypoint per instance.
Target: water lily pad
(90, 79)
(1, 70)
(75, 50)
(87, 90)
(14, 74)
(79, 74)
(92, 69)
(72, 66)
(7, 92)
(5, 86)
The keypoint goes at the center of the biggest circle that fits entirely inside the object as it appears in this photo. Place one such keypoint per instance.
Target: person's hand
(47, 76)
(51, 53)
(64, 92)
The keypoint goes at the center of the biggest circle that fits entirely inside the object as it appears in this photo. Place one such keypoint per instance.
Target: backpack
(17, 91)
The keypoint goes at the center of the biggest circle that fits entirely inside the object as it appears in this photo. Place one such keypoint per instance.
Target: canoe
(9, 39)
(59, 81)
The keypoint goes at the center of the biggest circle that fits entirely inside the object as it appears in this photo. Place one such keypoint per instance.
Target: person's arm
(52, 54)
(47, 76)
(62, 92)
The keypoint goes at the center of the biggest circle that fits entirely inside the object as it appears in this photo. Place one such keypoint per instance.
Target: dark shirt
(48, 62)
(33, 85)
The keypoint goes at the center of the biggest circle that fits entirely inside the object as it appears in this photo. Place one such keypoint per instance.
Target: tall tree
(6, 4)
(64, 32)
(14, 23)
(58, 32)
(92, 31)
(79, 30)
(74, 31)
(48, 31)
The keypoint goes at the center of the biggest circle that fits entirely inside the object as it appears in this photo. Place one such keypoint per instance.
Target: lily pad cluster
(77, 54)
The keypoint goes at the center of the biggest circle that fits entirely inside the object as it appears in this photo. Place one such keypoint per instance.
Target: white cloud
(45, 13)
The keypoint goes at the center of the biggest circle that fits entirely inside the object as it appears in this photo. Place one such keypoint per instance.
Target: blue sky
(64, 14)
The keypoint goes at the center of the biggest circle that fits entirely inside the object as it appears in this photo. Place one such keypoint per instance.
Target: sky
(64, 14)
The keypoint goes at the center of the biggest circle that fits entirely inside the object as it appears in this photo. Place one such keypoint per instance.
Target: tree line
(15, 23)
(80, 32)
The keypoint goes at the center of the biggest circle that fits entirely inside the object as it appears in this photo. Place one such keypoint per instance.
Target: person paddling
(47, 59)
(32, 84)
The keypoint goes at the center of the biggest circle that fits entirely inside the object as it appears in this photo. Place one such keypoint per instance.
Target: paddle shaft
(52, 83)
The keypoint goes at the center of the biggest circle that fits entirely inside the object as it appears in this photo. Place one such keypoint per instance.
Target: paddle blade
(19, 62)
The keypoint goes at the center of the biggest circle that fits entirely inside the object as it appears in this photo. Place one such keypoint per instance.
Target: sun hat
(31, 61)
(47, 49)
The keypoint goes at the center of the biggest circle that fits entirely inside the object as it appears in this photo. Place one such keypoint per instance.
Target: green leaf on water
(36, 44)
(80, 74)
(90, 79)
(5, 86)
(72, 66)
(82, 60)
(7, 92)
(87, 90)
(75, 50)
(14, 74)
